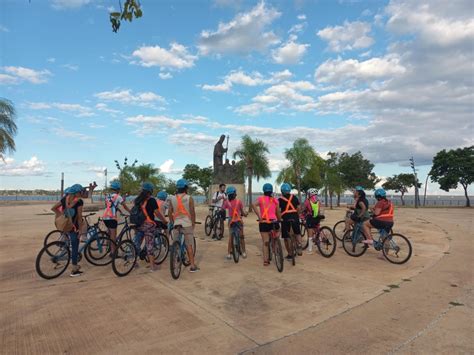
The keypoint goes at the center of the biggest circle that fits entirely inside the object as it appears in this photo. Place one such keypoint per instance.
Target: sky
(393, 79)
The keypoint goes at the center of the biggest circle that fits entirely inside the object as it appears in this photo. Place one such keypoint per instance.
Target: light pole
(412, 164)
(426, 184)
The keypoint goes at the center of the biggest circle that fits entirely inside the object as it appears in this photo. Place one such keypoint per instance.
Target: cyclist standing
(313, 213)
(181, 212)
(382, 215)
(268, 213)
(218, 200)
(289, 207)
(236, 211)
(112, 203)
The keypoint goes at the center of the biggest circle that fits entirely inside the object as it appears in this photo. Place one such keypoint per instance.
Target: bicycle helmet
(115, 185)
(147, 186)
(359, 188)
(162, 195)
(76, 188)
(313, 192)
(231, 190)
(181, 183)
(285, 188)
(380, 193)
(67, 190)
(267, 187)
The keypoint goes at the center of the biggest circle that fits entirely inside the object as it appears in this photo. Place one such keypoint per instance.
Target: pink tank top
(268, 206)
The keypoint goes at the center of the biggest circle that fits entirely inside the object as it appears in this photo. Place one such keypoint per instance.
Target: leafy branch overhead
(131, 9)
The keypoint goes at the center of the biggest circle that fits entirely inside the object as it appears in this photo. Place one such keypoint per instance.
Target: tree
(7, 127)
(133, 176)
(131, 9)
(454, 167)
(254, 155)
(201, 177)
(400, 183)
(333, 183)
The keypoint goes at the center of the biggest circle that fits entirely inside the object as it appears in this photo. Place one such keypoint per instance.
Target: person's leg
(189, 242)
(74, 239)
(265, 243)
(150, 244)
(311, 234)
(229, 244)
(366, 230)
(113, 237)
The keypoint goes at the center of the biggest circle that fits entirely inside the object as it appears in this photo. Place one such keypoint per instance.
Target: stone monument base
(239, 187)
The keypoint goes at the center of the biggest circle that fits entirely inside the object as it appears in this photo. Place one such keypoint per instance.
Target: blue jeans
(137, 240)
(74, 238)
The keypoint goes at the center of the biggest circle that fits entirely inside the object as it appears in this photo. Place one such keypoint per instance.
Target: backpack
(64, 222)
(137, 216)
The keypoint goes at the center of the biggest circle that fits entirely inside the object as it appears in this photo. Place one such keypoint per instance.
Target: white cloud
(68, 4)
(27, 74)
(177, 57)
(98, 170)
(51, 60)
(302, 17)
(299, 27)
(147, 99)
(165, 76)
(167, 167)
(350, 36)
(105, 108)
(149, 124)
(4, 29)
(95, 126)
(8, 79)
(338, 71)
(245, 33)
(71, 67)
(77, 109)
(67, 133)
(290, 52)
(224, 87)
(31, 167)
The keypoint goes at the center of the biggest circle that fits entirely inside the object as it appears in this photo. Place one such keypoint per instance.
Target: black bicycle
(214, 222)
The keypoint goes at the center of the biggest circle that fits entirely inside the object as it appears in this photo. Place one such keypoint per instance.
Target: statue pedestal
(239, 187)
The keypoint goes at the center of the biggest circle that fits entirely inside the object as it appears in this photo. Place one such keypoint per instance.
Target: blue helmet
(147, 186)
(115, 185)
(162, 195)
(267, 187)
(67, 190)
(359, 188)
(231, 190)
(380, 193)
(74, 189)
(285, 188)
(181, 183)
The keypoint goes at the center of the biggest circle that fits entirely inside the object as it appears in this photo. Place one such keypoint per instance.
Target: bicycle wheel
(338, 229)
(278, 254)
(219, 229)
(164, 249)
(52, 260)
(175, 260)
(303, 229)
(397, 248)
(304, 239)
(292, 245)
(93, 231)
(124, 258)
(354, 246)
(235, 246)
(130, 233)
(208, 226)
(326, 242)
(98, 250)
(54, 236)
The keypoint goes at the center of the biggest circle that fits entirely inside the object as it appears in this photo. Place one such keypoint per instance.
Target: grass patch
(454, 285)
(406, 279)
(386, 291)
(393, 286)
(446, 252)
(454, 303)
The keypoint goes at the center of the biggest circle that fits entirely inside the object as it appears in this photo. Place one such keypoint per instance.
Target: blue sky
(390, 78)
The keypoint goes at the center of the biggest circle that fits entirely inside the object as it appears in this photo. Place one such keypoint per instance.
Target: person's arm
(192, 211)
(362, 209)
(377, 209)
(170, 213)
(80, 220)
(278, 212)
(256, 208)
(242, 211)
(55, 208)
(160, 216)
(215, 199)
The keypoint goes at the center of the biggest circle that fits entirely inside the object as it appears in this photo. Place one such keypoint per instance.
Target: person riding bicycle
(218, 200)
(268, 213)
(236, 211)
(72, 204)
(289, 208)
(360, 208)
(313, 213)
(382, 217)
(149, 206)
(112, 203)
(181, 212)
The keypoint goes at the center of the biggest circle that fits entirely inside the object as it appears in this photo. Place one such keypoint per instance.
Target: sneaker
(228, 257)
(194, 269)
(309, 252)
(214, 237)
(289, 257)
(76, 273)
(244, 255)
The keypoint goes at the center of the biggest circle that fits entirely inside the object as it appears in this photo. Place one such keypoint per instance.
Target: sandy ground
(336, 305)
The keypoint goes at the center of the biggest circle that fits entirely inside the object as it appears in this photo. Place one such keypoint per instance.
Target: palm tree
(300, 157)
(253, 153)
(7, 127)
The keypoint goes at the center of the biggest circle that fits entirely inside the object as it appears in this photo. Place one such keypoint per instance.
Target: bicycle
(214, 222)
(58, 254)
(339, 228)
(396, 248)
(235, 232)
(274, 246)
(325, 240)
(304, 236)
(179, 253)
(293, 244)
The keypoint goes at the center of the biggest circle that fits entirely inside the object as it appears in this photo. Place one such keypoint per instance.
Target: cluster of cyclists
(283, 215)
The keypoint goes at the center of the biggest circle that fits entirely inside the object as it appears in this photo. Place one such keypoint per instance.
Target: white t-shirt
(216, 196)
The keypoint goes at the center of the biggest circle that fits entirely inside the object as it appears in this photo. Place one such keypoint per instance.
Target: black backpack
(137, 216)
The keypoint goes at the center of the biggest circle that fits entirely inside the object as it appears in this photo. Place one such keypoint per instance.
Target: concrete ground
(336, 305)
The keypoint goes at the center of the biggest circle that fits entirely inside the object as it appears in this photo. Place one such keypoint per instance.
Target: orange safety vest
(148, 219)
(161, 206)
(108, 210)
(235, 213)
(266, 210)
(181, 210)
(389, 213)
(289, 206)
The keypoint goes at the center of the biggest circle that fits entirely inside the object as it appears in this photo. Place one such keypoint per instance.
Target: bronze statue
(225, 172)
(219, 152)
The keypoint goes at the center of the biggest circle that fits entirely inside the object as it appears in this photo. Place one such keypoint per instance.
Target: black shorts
(268, 227)
(312, 222)
(379, 224)
(110, 223)
(222, 213)
(161, 225)
(286, 225)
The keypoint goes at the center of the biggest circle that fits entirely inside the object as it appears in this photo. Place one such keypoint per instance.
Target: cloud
(6, 79)
(97, 170)
(245, 33)
(290, 52)
(71, 67)
(177, 57)
(26, 74)
(68, 4)
(350, 36)
(31, 167)
(302, 17)
(165, 76)
(4, 29)
(147, 99)
(77, 109)
(66, 133)
(51, 60)
(104, 108)
(338, 71)
(149, 124)
(195, 140)
(167, 167)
